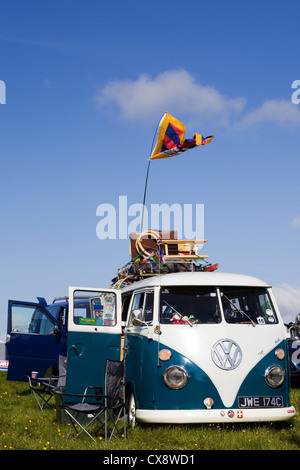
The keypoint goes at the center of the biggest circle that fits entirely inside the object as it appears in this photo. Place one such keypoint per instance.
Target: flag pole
(145, 190)
(147, 174)
(146, 183)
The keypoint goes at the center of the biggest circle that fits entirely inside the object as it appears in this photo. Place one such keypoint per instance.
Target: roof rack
(156, 252)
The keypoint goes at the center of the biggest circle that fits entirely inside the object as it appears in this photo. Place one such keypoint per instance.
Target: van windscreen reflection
(189, 305)
(247, 305)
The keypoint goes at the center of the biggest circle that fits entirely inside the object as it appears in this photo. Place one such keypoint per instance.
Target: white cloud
(288, 300)
(295, 224)
(280, 112)
(175, 91)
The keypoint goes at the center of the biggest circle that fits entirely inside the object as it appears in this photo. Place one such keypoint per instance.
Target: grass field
(24, 427)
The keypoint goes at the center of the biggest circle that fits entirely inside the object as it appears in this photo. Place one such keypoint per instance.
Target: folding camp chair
(83, 413)
(98, 407)
(115, 406)
(43, 388)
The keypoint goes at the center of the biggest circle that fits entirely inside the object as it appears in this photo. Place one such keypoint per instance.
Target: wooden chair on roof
(143, 244)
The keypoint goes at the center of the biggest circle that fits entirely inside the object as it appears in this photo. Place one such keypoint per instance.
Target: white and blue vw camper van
(205, 347)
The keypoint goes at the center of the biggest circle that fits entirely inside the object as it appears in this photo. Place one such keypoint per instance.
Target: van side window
(31, 319)
(142, 307)
(125, 306)
(148, 307)
(91, 309)
(58, 313)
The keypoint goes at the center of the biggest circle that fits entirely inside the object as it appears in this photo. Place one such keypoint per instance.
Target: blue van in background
(37, 335)
(293, 342)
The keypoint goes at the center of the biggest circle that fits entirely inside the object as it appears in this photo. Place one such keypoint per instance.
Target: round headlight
(175, 377)
(274, 376)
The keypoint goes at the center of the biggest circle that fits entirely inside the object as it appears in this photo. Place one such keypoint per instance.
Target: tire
(131, 408)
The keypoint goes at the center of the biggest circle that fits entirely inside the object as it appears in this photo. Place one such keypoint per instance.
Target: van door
(34, 340)
(141, 349)
(94, 335)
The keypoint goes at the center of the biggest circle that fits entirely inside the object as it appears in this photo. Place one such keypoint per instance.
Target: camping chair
(43, 388)
(83, 413)
(97, 407)
(114, 401)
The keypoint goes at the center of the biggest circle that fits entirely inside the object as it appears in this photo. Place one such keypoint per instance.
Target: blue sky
(86, 84)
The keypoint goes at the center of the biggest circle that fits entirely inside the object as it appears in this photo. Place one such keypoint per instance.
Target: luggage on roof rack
(155, 252)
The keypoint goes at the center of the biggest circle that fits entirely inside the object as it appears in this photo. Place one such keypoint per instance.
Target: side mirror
(57, 331)
(137, 322)
(297, 322)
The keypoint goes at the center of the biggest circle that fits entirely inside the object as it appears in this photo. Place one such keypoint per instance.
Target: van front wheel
(131, 409)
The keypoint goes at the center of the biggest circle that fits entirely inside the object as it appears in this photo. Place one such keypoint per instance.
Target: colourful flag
(170, 140)
(155, 258)
(160, 255)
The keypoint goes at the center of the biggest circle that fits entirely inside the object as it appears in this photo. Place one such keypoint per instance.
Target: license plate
(260, 402)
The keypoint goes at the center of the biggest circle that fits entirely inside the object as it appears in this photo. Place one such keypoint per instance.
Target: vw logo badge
(226, 354)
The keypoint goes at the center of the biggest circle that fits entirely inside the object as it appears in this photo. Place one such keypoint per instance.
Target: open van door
(94, 335)
(35, 338)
